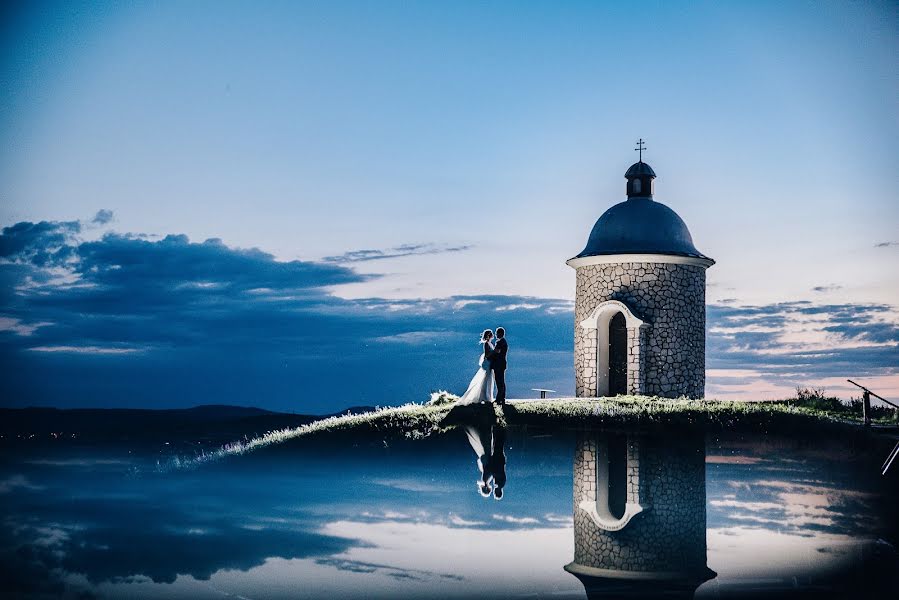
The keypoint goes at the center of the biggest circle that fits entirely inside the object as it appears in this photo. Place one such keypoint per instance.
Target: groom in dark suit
(498, 364)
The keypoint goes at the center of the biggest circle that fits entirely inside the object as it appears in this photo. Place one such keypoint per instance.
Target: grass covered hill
(797, 417)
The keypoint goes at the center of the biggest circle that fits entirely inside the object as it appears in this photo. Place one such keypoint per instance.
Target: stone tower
(639, 514)
(640, 300)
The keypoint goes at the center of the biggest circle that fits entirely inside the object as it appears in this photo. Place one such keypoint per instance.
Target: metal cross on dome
(640, 148)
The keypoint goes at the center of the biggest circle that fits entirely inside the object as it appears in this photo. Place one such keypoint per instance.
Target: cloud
(44, 244)
(397, 252)
(460, 304)
(886, 244)
(103, 217)
(520, 306)
(165, 321)
(18, 327)
(769, 350)
(415, 337)
(827, 288)
(85, 349)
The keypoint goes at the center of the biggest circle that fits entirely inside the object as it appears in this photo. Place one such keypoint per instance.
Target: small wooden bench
(543, 392)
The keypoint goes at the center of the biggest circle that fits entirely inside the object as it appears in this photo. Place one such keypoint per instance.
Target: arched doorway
(617, 355)
(618, 337)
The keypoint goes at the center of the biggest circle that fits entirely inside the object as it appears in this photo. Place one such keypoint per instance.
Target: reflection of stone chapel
(640, 300)
(639, 514)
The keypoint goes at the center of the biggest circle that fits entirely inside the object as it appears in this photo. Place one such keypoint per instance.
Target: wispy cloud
(103, 217)
(415, 337)
(356, 256)
(827, 288)
(19, 328)
(460, 304)
(86, 349)
(521, 306)
(886, 244)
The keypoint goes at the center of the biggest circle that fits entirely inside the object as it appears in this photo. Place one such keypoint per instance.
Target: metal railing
(866, 414)
(866, 401)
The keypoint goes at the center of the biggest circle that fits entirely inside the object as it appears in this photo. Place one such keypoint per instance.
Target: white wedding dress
(481, 387)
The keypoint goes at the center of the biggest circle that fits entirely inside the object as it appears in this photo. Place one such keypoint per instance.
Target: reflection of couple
(492, 368)
(488, 439)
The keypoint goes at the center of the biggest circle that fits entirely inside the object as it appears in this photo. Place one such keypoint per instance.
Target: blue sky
(392, 161)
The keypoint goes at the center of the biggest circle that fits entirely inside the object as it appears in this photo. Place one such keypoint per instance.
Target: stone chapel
(640, 300)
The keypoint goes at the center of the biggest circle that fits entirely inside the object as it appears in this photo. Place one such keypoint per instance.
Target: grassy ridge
(414, 421)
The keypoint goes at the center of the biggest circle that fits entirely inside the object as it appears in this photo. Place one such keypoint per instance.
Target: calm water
(407, 520)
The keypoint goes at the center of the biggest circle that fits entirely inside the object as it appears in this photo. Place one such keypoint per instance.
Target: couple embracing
(492, 369)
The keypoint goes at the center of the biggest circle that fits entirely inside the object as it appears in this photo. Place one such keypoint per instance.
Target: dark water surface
(726, 517)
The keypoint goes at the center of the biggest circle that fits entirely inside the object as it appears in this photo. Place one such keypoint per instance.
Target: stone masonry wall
(670, 535)
(671, 299)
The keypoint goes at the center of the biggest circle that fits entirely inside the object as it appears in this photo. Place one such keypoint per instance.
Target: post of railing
(866, 407)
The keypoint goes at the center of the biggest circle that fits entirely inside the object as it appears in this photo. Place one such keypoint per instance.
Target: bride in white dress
(480, 390)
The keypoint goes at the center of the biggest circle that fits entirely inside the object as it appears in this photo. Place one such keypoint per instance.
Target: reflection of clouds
(208, 532)
(781, 560)
(15, 482)
(799, 522)
(817, 487)
(416, 485)
(433, 551)
(791, 503)
(796, 523)
(735, 459)
(53, 537)
(122, 539)
(753, 506)
(460, 522)
(566, 520)
(388, 559)
(516, 520)
(793, 510)
(393, 515)
(363, 567)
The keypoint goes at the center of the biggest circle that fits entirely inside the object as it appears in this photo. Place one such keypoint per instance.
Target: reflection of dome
(640, 226)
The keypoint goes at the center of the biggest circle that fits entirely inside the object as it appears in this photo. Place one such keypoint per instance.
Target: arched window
(637, 186)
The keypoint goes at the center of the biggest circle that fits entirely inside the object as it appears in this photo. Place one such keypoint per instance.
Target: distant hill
(205, 424)
(200, 424)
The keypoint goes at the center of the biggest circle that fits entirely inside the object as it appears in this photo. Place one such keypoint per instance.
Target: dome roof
(639, 168)
(640, 226)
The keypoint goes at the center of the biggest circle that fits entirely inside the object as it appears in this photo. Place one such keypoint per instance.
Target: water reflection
(634, 514)
(639, 514)
(487, 436)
